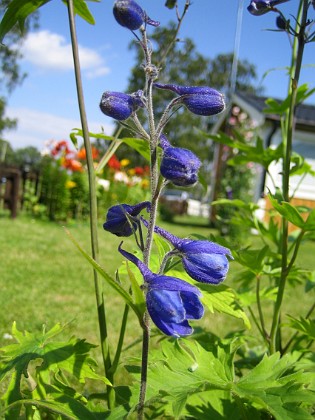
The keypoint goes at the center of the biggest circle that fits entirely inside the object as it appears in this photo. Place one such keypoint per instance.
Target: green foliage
(42, 373)
(189, 377)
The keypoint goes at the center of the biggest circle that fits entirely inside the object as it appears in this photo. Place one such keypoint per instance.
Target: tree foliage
(186, 66)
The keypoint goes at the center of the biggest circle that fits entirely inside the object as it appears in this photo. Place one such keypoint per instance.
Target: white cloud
(48, 50)
(36, 127)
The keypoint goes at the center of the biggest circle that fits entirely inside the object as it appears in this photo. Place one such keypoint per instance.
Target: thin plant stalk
(93, 206)
(297, 56)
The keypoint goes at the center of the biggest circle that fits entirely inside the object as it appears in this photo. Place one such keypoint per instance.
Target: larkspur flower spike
(200, 100)
(179, 166)
(171, 302)
(119, 219)
(260, 7)
(129, 14)
(203, 261)
(120, 106)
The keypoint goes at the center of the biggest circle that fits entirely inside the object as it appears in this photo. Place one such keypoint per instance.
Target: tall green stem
(93, 205)
(297, 55)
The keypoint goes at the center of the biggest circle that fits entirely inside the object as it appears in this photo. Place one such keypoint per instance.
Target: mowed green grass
(44, 279)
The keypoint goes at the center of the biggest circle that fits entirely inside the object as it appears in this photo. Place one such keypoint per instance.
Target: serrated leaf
(274, 388)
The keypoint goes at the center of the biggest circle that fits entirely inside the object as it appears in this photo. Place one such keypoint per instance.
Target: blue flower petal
(168, 306)
(172, 284)
(193, 307)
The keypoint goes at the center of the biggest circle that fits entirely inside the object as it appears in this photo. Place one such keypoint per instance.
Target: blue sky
(45, 104)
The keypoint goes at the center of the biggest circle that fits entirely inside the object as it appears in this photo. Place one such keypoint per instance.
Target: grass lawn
(44, 280)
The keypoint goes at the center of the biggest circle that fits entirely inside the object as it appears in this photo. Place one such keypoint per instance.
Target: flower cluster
(171, 302)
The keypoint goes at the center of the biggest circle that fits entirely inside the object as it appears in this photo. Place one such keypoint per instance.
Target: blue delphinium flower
(179, 166)
(129, 14)
(120, 106)
(202, 260)
(260, 7)
(171, 302)
(200, 100)
(119, 219)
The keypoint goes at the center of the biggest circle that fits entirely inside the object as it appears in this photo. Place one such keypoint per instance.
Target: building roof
(305, 114)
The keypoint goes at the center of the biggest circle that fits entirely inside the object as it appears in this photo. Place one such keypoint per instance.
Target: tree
(184, 65)
(10, 72)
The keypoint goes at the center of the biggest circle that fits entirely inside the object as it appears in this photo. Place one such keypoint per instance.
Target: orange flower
(82, 153)
(73, 165)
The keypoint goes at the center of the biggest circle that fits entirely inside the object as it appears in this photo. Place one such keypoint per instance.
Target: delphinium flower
(179, 166)
(203, 261)
(120, 219)
(121, 106)
(129, 14)
(200, 100)
(260, 7)
(171, 302)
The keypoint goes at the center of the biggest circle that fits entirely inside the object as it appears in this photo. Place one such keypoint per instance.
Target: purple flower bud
(171, 302)
(203, 261)
(129, 14)
(260, 7)
(200, 100)
(281, 23)
(119, 105)
(118, 222)
(179, 166)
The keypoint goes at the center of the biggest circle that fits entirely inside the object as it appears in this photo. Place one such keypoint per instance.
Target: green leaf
(139, 145)
(16, 13)
(273, 386)
(310, 221)
(68, 408)
(81, 9)
(136, 292)
(303, 325)
(289, 212)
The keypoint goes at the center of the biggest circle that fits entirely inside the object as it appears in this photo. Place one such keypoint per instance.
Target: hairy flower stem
(93, 206)
(297, 56)
(154, 177)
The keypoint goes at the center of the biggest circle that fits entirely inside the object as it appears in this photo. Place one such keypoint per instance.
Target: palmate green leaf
(273, 386)
(219, 298)
(185, 368)
(72, 356)
(274, 107)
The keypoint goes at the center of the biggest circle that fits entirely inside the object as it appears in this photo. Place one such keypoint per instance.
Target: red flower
(114, 163)
(139, 171)
(72, 165)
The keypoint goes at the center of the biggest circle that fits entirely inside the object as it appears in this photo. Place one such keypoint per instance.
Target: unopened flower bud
(120, 106)
(120, 218)
(200, 100)
(281, 23)
(179, 166)
(260, 7)
(129, 14)
(203, 261)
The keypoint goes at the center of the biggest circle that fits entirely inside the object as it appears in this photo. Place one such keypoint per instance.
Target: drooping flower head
(179, 166)
(171, 302)
(200, 100)
(119, 218)
(120, 106)
(129, 14)
(203, 261)
(260, 7)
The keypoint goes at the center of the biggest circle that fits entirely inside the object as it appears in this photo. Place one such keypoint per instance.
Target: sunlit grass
(44, 280)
